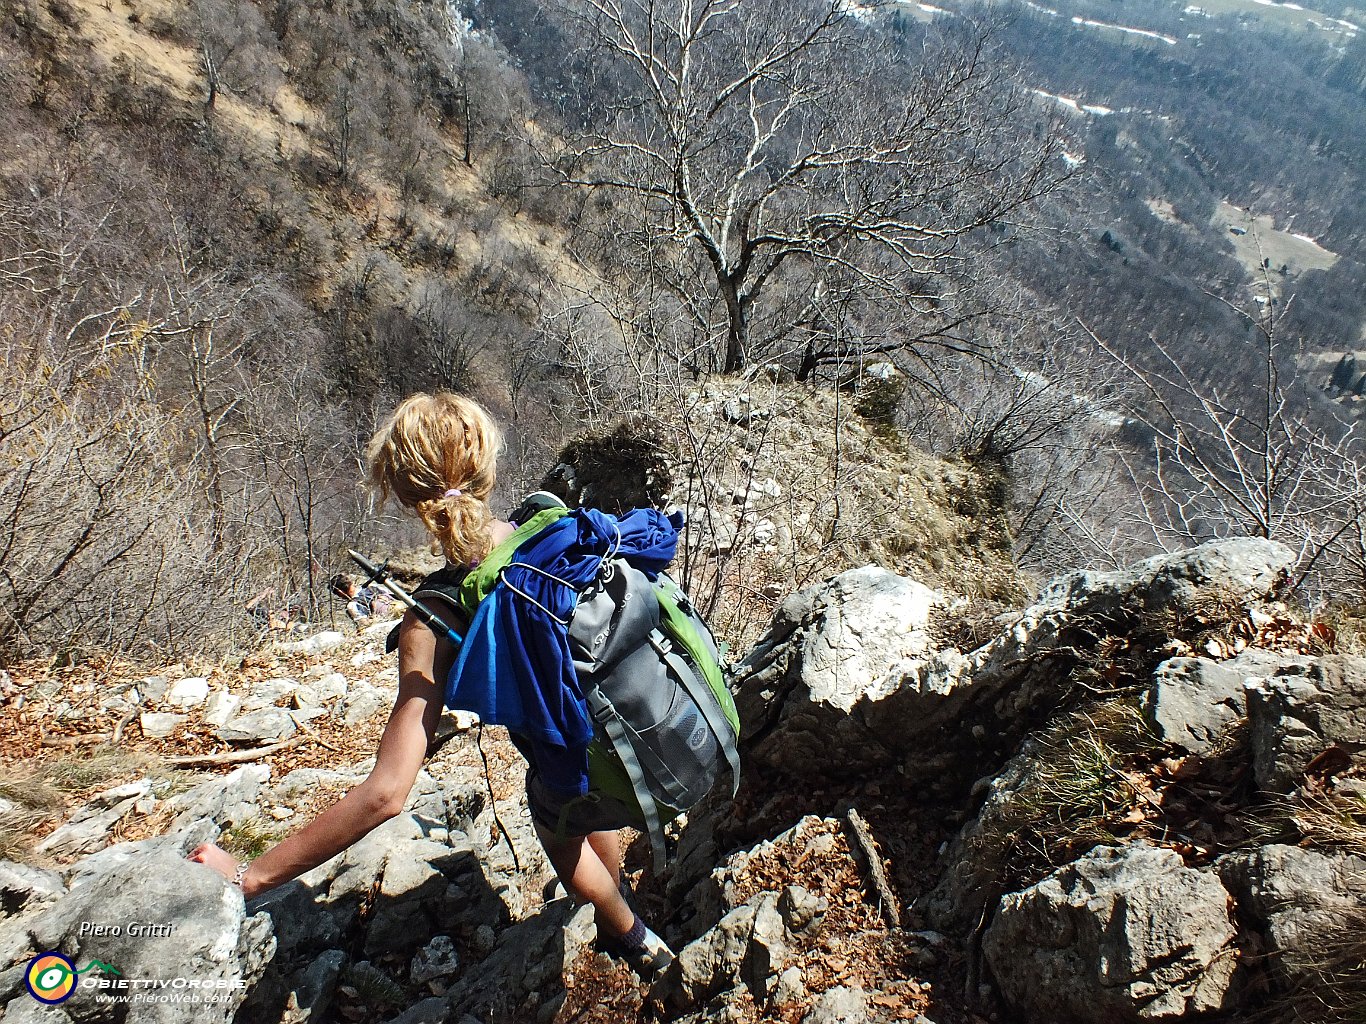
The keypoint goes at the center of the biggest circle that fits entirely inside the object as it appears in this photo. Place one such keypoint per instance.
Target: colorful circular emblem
(51, 977)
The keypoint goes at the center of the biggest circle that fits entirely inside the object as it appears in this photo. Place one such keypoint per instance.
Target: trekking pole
(380, 574)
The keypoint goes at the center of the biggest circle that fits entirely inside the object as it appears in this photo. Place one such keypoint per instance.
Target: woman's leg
(590, 877)
(607, 845)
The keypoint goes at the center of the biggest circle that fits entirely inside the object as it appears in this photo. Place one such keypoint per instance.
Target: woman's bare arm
(423, 660)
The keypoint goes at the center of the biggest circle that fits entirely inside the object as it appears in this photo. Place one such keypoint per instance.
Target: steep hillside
(230, 236)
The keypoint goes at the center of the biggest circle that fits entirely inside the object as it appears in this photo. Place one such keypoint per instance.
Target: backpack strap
(482, 578)
(444, 586)
(462, 589)
(607, 716)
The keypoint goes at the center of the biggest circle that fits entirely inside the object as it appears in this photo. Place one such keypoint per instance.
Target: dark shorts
(568, 816)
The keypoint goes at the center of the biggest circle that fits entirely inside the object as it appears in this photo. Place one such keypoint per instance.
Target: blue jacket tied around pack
(518, 634)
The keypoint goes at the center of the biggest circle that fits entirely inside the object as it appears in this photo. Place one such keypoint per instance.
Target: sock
(633, 940)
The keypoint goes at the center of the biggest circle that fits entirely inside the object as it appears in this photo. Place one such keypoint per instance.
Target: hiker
(436, 455)
(362, 603)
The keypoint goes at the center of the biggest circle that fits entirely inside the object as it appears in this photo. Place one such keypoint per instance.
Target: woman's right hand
(219, 859)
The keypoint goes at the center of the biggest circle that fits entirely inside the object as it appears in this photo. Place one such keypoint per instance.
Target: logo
(51, 977)
(698, 737)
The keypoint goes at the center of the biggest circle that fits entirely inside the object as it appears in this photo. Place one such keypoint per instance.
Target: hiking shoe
(651, 958)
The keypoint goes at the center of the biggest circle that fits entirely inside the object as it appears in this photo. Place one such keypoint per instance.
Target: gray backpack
(649, 668)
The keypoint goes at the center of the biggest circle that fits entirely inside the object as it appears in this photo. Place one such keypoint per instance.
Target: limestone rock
(88, 829)
(842, 1004)
(221, 707)
(318, 643)
(1193, 702)
(225, 800)
(153, 688)
(801, 908)
(329, 686)
(158, 916)
(1298, 713)
(437, 959)
(159, 724)
(362, 702)
(748, 946)
(1123, 934)
(315, 988)
(378, 630)
(269, 692)
(24, 888)
(845, 678)
(1298, 898)
(1243, 569)
(267, 725)
(189, 692)
(852, 640)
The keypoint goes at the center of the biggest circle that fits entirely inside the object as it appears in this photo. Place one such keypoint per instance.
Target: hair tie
(454, 492)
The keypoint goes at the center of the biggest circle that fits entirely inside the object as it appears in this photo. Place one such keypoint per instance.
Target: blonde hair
(430, 447)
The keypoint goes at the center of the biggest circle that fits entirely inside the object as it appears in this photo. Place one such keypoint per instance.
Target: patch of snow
(1311, 241)
(931, 9)
(1347, 25)
(1066, 101)
(1073, 105)
(1133, 31)
(1042, 10)
(1072, 161)
(1292, 7)
(1198, 10)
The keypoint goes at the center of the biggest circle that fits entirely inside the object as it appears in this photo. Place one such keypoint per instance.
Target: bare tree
(347, 126)
(788, 150)
(1244, 457)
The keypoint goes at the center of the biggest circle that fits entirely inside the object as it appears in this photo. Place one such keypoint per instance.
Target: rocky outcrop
(845, 679)
(157, 932)
(1123, 934)
(847, 689)
(1300, 712)
(831, 650)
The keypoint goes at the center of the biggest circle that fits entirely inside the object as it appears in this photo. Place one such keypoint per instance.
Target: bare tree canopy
(802, 157)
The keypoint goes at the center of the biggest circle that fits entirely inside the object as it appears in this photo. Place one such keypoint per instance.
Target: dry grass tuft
(1331, 974)
(44, 789)
(251, 838)
(1077, 789)
(1318, 819)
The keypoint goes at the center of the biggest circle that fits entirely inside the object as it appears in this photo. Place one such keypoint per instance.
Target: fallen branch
(73, 741)
(313, 735)
(864, 837)
(117, 735)
(232, 756)
(91, 739)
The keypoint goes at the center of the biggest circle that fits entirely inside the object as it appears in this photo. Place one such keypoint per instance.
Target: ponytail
(437, 455)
